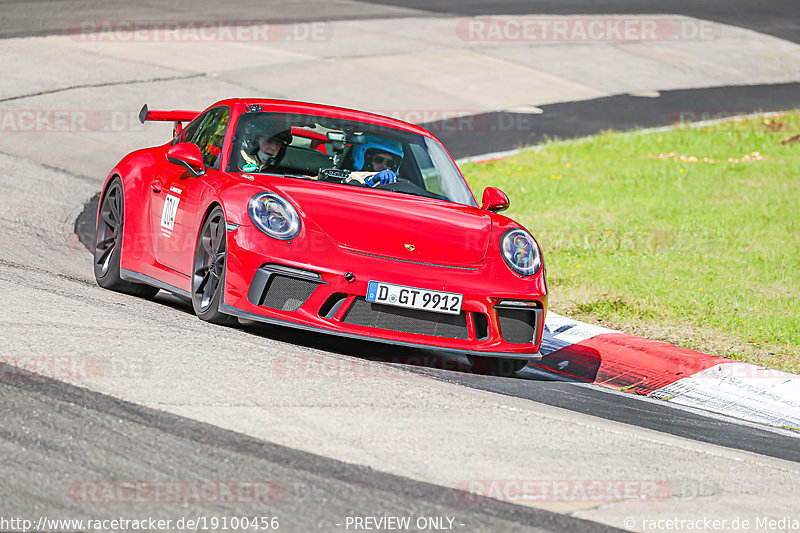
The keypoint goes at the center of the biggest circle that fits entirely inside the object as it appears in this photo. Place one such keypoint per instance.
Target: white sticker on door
(169, 212)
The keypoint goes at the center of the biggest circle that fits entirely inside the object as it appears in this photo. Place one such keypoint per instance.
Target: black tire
(496, 366)
(208, 269)
(108, 244)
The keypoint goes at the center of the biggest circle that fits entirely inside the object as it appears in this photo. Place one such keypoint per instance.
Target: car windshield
(342, 151)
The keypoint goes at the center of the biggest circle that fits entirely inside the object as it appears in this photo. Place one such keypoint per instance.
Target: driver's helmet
(363, 153)
(254, 132)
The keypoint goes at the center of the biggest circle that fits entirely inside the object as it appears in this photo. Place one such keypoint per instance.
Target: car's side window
(425, 169)
(190, 129)
(208, 133)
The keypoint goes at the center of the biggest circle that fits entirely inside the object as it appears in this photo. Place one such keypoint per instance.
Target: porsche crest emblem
(410, 247)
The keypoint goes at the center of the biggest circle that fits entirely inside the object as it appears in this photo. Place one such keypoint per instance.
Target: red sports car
(324, 219)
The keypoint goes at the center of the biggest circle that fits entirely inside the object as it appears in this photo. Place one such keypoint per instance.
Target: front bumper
(321, 287)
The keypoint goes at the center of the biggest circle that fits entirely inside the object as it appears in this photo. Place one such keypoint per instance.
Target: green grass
(701, 254)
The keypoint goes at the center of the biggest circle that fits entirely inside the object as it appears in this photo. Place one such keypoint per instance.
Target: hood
(392, 224)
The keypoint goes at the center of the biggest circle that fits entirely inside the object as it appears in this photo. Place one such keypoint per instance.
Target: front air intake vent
(518, 324)
(364, 313)
(280, 287)
(287, 294)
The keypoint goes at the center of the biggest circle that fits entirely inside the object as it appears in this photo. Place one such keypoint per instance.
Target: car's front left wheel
(208, 271)
(108, 244)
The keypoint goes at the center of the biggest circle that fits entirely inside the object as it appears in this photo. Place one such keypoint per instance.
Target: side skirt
(130, 275)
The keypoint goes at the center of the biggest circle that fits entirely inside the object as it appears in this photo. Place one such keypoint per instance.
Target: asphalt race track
(54, 415)
(102, 389)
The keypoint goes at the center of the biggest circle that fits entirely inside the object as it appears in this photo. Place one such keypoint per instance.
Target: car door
(176, 195)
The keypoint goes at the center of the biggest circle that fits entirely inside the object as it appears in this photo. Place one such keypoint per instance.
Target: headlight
(521, 252)
(273, 215)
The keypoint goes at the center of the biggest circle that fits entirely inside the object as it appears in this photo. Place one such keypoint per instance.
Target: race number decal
(169, 212)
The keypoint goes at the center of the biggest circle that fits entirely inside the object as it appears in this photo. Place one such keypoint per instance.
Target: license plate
(413, 298)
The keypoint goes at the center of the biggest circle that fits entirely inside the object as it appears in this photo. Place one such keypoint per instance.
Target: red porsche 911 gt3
(324, 219)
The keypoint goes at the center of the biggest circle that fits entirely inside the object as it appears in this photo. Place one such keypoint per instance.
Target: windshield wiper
(298, 176)
(406, 187)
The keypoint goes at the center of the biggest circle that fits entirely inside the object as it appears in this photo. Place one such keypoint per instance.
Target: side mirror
(189, 157)
(494, 200)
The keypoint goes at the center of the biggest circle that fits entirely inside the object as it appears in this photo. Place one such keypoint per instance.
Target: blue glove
(381, 178)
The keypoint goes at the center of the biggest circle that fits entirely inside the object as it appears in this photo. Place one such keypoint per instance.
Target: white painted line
(538, 373)
(700, 411)
(735, 390)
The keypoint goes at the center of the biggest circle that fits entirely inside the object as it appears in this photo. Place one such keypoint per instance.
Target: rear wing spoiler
(178, 117)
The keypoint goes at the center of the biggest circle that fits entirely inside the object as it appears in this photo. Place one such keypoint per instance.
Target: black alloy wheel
(208, 271)
(108, 244)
